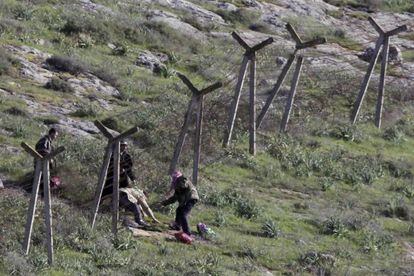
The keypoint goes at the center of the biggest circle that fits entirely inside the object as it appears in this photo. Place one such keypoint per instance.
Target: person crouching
(187, 196)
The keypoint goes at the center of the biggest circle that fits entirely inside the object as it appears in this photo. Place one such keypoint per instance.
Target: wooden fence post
(300, 45)
(248, 57)
(115, 187)
(112, 151)
(252, 105)
(197, 142)
(292, 93)
(196, 99)
(41, 169)
(275, 89)
(235, 102)
(380, 99)
(48, 211)
(383, 41)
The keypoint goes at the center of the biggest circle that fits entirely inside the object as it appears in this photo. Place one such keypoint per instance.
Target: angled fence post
(248, 57)
(383, 41)
(196, 101)
(300, 45)
(112, 150)
(41, 169)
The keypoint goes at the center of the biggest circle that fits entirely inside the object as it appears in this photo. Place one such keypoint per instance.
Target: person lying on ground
(187, 196)
(137, 196)
(126, 200)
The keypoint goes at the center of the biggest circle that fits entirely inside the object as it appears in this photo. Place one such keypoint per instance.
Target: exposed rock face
(153, 61)
(90, 6)
(175, 23)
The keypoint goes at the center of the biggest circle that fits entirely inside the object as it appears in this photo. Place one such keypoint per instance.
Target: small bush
(17, 111)
(399, 169)
(6, 61)
(334, 226)
(86, 110)
(373, 241)
(347, 132)
(393, 134)
(270, 229)
(219, 219)
(66, 64)
(241, 16)
(111, 123)
(59, 85)
(397, 208)
(106, 75)
(317, 263)
(120, 50)
(248, 209)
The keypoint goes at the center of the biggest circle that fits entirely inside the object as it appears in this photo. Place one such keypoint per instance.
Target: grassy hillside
(325, 198)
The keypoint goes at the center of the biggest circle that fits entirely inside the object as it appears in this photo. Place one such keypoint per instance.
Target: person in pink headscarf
(174, 176)
(185, 193)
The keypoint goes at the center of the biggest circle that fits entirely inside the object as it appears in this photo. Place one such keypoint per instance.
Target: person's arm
(169, 200)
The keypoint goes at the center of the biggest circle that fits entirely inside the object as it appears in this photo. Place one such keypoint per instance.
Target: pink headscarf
(174, 176)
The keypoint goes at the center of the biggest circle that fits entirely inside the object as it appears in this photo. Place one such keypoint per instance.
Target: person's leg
(178, 217)
(146, 209)
(131, 207)
(186, 211)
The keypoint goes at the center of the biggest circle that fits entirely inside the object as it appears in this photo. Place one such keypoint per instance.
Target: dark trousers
(181, 215)
(129, 206)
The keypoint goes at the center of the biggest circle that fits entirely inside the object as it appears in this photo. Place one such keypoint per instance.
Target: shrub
(347, 132)
(317, 263)
(16, 264)
(373, 241)
(106, 75)
(86, 110)
(334, 226)
(6, 61)
(397, 208)
(240, 16)
(59, 85)
(248, 209)
(270, 229)
(406, 188)
(17, 111)
(120, 50)
(219, 219)
(393, 134)
(66, 64)
(111, 123)
(399, 169)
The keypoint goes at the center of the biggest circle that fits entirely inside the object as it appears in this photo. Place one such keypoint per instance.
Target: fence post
(383, 41)
(41, 169)
(300, 45)
(196, 99)
(248, 57)
(112, 151)
(292, 94)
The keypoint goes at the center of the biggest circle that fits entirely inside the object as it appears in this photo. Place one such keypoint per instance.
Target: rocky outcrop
(152, 61)
(176, 23)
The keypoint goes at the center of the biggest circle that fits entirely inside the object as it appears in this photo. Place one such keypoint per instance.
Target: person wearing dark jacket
(187, 196)
(125, 174)
(44, 147)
